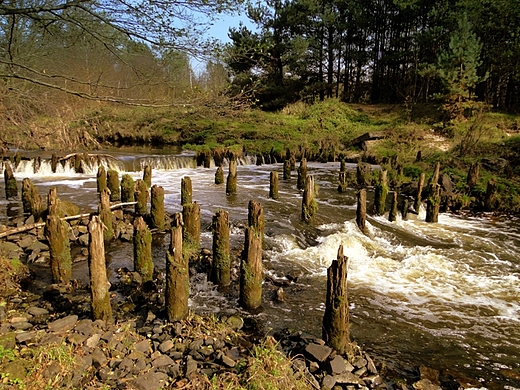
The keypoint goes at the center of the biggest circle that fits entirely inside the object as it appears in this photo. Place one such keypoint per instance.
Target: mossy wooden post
(31, 199)
(342, 166)
(157, 208)
(361, 211)
(101, 178)
(251, 269)
(105, 215)
(186, 191)
(273, 185)
(473, 173)
(418, 198)
(99, 284)
(436, 172)
(221, 266)
(286, 170)
(362, 174)
(57, 232)
(11, 186)
(143, 263)
(381, 193)
(336, 327)
(147, 175)
(54, 163)
(231, 184)
(113, 185)
(141, 197)
(309, 205)
(433, 203)
(490, 197)
(191, 230)
(392, 216)
(302, 174)
(17, 159)
(342, 187)
(177, 275)
(127, 188)
(219, 175)
(404, 209)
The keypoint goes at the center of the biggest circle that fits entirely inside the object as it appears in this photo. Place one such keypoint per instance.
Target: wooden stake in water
(143, 263)
(54, 163)
(186, 191)
(147, 175)
(392, 216)
(473, 173)
(101, 178)
(361, 212)
(231, 184)
(342, 187)
(105, 215)
(191, 230)
(99, 284)
(157, 208)
(31, 199)
(491, 194)
(336, 327)
(141, 197)
(309, 205)
(273, 185)
(127, 188)
(113, 185)
(11, 186)
(381, 194)
(418, 198)
(302, 174)
(286, 170)
(177, 275)
(221, 266)
(433, 203)
(251, 269)
(219, 175)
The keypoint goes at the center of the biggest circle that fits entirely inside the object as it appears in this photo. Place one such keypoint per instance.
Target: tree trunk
(302, 174)
(147, 176)
(177, 275)
(106, 216)
(221, 267)
(99, 284)
(186, 191)
(101, 178)
(231, 184)
(336, 328)
(143, 263)
(273, 185)
(309, 205)
(11, 186)
(219, 175)
(361, 212)
(141, 197)
(113, 185)
(418, 198)
(127, 188)
(433, 203)
(157, 208)
(191, 230)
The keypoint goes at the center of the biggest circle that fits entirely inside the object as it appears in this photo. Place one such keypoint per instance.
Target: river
(445, 295)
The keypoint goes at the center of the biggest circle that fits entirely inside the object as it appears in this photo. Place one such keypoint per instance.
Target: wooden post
(392, 216)
(362, 173)
(286, 170)
(231, 184)
(57, 232)
(221, 266)
(436, 172)
(473, 173)
(309, 205)
(147, 175)
(11, 186)
(433, 203)
(17, 159)
(99, 284)
(336, 327)
(342, 187)
(127, 188)
(186, 191)
(157, 208)
(54, 162)
(105, 215)
(101, 178)
(302, 174)
(418, 198)
(273, 185)
(113, 185)
(405, 208)
(219, 175)
(381, 193)
(342, 166)
(361, 212)
(191, 230)
(251, 270)
(141, 197)
(177, 275)
(143, 263)
(490, 197)
(31, 199)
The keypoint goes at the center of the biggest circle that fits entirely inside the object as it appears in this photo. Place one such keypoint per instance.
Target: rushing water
(446, 295)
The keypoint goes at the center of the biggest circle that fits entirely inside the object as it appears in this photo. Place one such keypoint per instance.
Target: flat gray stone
(38, 245)
(162, 361)
(25, 337)
(143, 346)
(98, 358)
(328, 382)
(348, 378)
(93, 341)
(191, 367)
(318, 352)
(84, 327)
(227, 361)
(337, 365)
(166, 345)
(150, 381)
(63, 324)
(37, 311)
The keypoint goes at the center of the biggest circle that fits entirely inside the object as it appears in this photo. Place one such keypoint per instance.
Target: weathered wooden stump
(105, 215)
(11, 186)
(147, 175)
(273, 185)
(433, 203)
(342, 166)
(231, 184)
(361, 211)
(309, 205)
(472, 178)
(191, 230)
(404, 209)
(101, 178)
(157, 213)
(491, 195)
(186, 191)
(54, 163)
(286, 170)
(363, 172)
(219, 175)
(302, 174)
(31, 199)
(418, 198)
(99, 284)
(392, 216)
(343, 184)
(251, 269)
(336, 327)
(381, 193)
(143, 263)
(436, 172)
(127, 188)
(17, 159)
(221, 266)
(141, 197)
(113, 185)
(57, 232)
(177, 275)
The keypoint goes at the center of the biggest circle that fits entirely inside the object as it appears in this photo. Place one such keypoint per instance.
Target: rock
(84, 327)
(38, 245)
(360, 371)
(337, 365)
(3, 316)
(51, 370)
(37, 311)
(93, 341)
(318, 352)
(191, 367)
(235, 322)
(328, 382)
(370, 365)
(150, 381)
(26, 241)
(63, 324)
(373, 380)
(21, 326)
(143, 346)
(51, 339)
(359, 362)
(425, 384)
(25, 337)
(349, 379)
(166, 345)
(227, 361)
(15, 370)
(98, 358)
(161, 361)
(429, 373)
(83, 240)
(280, 295)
